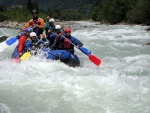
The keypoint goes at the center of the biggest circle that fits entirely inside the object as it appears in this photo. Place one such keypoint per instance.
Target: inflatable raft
(62, 55)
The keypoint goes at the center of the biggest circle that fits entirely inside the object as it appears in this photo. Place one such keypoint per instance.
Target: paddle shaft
(66, 39)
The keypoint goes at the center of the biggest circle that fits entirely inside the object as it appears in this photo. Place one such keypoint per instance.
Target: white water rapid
(121, 84)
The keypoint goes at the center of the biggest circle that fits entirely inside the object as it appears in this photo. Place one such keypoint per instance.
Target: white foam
(121, 84)
(4, 108)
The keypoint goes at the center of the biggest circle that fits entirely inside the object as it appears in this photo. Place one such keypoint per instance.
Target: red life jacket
(66, 43)
(21, 42)
(34, 22)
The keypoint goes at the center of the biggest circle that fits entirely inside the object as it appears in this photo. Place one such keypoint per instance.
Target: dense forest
(107, 11)
(116, 11)
(45, 4)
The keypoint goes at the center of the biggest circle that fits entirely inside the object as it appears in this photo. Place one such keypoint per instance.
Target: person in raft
(19, 50)
(69, 41)
(36, 23)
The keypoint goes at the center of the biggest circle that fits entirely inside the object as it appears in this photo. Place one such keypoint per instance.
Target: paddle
(11, 40)
(85, 50)
(92, 58)
(14, 39)
(25, 56)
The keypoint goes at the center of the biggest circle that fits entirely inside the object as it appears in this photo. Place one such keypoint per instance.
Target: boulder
(148, 43)
(3, 38)
(147, 29)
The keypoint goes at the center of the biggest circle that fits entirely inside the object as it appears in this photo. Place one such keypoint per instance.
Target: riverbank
(12, 24)
(19, 25)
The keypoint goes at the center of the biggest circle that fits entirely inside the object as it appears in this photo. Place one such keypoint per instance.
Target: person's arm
(46, 25)
(40, 23)
(28, 24)
(75, 41)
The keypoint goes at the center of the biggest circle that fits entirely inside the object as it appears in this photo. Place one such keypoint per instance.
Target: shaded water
(121, 84)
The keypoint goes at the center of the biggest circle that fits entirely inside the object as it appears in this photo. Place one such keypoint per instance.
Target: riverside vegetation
(107, 11)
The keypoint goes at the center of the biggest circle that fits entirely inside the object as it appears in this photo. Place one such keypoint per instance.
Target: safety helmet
(57, 27)
(67, 30)
(32, 34)
(28, 29)
(51, 20)
(34, 11)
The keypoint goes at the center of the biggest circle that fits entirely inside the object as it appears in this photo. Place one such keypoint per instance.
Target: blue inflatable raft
(62, 55)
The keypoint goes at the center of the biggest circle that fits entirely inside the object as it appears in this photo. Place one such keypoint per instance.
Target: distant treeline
(116, 11)
(108, 11)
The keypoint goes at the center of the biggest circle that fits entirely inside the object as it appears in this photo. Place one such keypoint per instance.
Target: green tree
(96, 13)
(29, 5)
(112, 11)
(2, 17)
(2, 9)
(140, 13)
(18, 14)
(70, 15)
(50, 12)
(35, 6)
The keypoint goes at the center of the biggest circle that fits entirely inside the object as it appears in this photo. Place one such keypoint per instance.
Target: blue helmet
(28, 29)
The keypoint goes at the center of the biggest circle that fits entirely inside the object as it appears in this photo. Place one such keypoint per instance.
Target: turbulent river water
(121, 84)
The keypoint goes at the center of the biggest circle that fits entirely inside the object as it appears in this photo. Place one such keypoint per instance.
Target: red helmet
(67, 30)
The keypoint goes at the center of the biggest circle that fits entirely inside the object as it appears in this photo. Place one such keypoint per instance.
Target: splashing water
(121, 84)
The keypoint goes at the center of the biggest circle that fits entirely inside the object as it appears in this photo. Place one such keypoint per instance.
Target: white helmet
(32, 34)
(51, 20)
(57, 27)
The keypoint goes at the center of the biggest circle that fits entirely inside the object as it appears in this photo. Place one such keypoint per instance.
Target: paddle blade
(11, 41)
(85, 51)
(25, 56)
(95, 60)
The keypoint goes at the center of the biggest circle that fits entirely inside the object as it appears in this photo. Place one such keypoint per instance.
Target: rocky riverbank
(10, 24)
(19, 25)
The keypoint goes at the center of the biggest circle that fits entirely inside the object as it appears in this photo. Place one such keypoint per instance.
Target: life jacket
(28, 39)
(59, 44)
(34, 22)
(66, 43)
(33, 43)
(21, 40)
(18, 36)
(28, 47)
(37, 20)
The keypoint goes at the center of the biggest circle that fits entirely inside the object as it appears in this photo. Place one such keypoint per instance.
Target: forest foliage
(116, 11)
(107, 11)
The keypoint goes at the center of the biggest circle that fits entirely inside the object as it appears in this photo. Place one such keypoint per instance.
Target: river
(121, 84)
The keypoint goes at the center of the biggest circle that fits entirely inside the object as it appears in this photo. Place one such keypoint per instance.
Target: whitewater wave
(121, 84)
